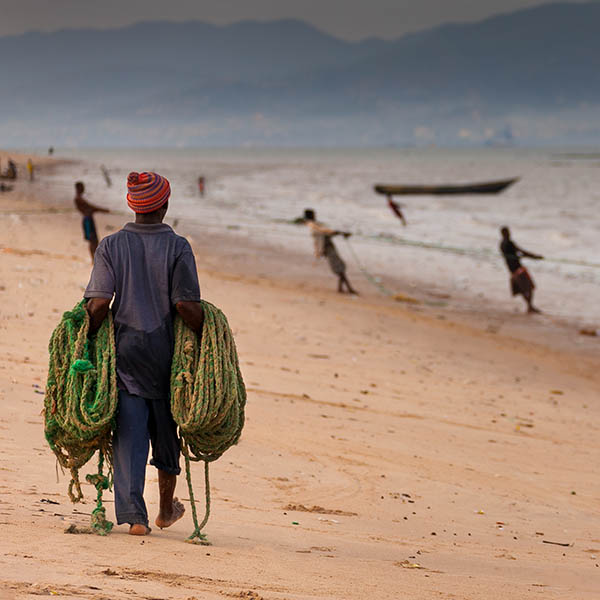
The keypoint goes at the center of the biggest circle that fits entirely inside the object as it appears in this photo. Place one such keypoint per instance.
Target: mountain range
(528, 77)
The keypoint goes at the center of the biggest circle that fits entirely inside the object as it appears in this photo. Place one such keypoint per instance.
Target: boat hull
(487, 187)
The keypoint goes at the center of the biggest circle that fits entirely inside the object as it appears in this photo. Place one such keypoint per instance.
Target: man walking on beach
(520, 280)
(150, 272)
(324, 246)
(87, 210)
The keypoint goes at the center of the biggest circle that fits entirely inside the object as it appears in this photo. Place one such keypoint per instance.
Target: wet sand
(391, 450)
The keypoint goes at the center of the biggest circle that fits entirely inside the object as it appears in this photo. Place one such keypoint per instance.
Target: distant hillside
(113, 68)
(532, 76)
(548, 54)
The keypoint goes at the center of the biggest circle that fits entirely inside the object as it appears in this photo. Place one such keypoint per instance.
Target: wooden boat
(487, 187)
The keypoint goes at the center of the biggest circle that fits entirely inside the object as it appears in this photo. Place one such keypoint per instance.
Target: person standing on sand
(150, 272)
(87, 210)
(520, 280)
(30, 169)
(324, 246)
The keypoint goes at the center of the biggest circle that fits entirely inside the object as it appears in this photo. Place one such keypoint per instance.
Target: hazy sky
(351, 19)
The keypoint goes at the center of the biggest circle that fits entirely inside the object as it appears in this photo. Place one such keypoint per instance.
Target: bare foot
(166, 520)
(139, 529)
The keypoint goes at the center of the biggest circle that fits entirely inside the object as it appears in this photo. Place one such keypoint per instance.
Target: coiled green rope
(208, 398)
(80, 402)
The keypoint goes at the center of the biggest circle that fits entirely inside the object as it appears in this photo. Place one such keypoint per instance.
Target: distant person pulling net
(324, 247)
(87, 209)
(396, 209)
(106, 175)
(520, 280)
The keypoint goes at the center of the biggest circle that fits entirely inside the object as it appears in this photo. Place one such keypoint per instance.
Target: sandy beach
(391, 451)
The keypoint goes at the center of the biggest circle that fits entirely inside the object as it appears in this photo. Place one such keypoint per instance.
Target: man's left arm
(526, 254)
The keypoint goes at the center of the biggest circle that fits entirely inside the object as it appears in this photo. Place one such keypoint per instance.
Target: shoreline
(236, 252)
(472, 305)
(386, 451)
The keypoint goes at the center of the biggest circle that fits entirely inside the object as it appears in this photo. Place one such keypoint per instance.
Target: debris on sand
(592, 332)
(564, 544)
(319, 510)
(405, 298)
(250, 595)
(73, 528)
(406, 564)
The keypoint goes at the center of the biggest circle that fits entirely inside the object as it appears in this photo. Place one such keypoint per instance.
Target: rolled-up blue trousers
(141, 421)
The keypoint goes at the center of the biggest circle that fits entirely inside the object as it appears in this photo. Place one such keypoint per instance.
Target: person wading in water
(520, 280)
(396, 209)
(324, 246)
(150, 274)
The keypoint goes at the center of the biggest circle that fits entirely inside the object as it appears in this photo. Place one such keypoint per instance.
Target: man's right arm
(185, 291)
(86, 207)
(193, 315)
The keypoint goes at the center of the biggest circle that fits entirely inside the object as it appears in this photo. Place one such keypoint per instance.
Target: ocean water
(450, 246)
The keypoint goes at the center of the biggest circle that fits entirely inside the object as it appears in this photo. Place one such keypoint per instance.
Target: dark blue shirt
(148, 269)
(511, 255)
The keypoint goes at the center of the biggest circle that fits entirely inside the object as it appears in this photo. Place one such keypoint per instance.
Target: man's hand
(193, 315)
(97, 308)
